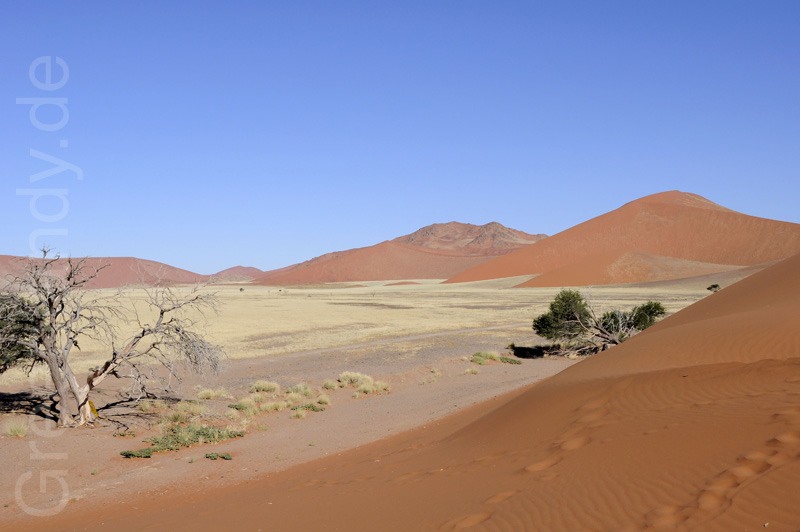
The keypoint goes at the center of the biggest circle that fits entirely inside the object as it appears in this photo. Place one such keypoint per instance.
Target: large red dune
(693, 424)
(664, 236)
(437, 251)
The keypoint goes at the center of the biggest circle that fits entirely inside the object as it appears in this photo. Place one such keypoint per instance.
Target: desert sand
(415, 336)
(437, 251)
(669, 235)
(692, 424)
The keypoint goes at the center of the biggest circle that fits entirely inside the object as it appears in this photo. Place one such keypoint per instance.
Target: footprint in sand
(575, 443)
(718, 493)
(541, 465)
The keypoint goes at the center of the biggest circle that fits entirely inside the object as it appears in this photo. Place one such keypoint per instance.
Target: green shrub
(560, 321)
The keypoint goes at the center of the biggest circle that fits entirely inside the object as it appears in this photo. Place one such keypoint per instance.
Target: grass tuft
(207, 394)
(329, 385)
(293, 397)
(484, 357)
(302, 389)
(150, 406)
(299, 414)
(323, 399)
(265, 386)
(354, 379)
(246, 406)
(16, 428)
(273, 406)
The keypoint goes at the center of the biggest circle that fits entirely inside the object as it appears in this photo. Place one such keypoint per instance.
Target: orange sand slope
(693, 424)
(118, 271)
(663, 236)
(437, 251)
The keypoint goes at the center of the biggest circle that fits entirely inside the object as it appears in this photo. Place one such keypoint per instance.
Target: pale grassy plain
(260, 321)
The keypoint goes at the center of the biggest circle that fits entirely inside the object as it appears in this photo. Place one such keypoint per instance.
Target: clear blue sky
(211, 134)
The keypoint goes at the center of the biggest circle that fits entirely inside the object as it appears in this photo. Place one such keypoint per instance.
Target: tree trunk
(62, 388)
(81, 396)
(84, 406)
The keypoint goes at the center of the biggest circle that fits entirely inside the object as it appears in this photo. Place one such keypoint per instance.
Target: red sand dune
(238, 274)
(437, 251)
(693, 424)
(663, 236)
(118, 271)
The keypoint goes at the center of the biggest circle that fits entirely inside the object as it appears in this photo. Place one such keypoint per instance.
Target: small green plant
(147, 452)
(329, 384)
(470, 371)
(510, 360)
(214, 456)
(265, 387)
(483, 357)
(16, 428)
(299, 414)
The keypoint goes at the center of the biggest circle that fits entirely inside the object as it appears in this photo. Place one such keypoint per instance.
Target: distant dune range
(118, 271)
(693, 424)
(664, 236)
(437, 251)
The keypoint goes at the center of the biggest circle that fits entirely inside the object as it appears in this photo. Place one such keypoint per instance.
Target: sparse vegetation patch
(581, 331)
(178, 436)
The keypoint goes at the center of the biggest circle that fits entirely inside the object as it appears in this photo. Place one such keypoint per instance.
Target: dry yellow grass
(317, 318)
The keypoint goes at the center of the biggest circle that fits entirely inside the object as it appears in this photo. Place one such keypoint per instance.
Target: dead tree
(59, 310)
